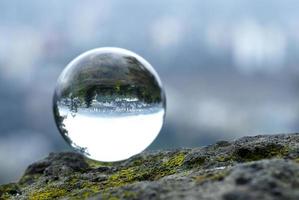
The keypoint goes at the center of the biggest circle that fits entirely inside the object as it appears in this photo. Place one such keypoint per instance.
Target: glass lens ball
(109, 104)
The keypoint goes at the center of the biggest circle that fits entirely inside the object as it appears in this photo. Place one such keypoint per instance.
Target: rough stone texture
(260, 167)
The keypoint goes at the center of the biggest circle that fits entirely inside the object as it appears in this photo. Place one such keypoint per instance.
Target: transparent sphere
(109, 104)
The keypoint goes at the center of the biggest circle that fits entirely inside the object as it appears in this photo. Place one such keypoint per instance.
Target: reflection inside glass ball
(109, 104)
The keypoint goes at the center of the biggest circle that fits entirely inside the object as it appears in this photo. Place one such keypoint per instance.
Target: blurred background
(230, 68)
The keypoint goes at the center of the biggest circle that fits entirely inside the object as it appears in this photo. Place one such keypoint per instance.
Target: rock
(260, 167)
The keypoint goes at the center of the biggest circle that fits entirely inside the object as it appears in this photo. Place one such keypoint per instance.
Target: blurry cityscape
(230, 68)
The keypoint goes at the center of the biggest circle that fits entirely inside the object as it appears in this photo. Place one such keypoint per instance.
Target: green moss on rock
(144, 172)
(70, 176)
(246, 154)
(194, 162)
(175, 161)
(29, 179)
(212, 176)
(8, 190)
(48, 193)
(124, 177)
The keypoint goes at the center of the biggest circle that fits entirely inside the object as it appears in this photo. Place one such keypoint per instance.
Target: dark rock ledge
(260, 167)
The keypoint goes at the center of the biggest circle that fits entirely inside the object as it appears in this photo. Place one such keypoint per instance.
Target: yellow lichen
(139, 173)
(91, 186)
(48, 194)
(122, 177)
(175, 161)
(82, 194)
(169, 166)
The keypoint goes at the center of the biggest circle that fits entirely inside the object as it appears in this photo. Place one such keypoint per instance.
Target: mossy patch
(248, 154)
(77, 182)
(175, 161)
(170, 166)
(107, 196)
(244, 154)
(124, 194)
(29, 179)
(164, 168)
(145, 172)
(122, 177)
(48, 193)
(212, 176)
(129, 195)
(9, 190)
(195, 162)
(81, 188)
(82, 194)
(74, 187)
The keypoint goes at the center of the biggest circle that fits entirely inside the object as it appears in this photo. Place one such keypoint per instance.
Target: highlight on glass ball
(109, 104)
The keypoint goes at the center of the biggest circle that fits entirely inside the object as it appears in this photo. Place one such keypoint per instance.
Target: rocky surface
(260, 167)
